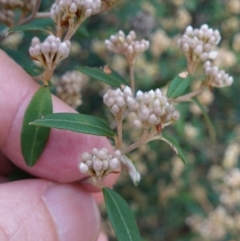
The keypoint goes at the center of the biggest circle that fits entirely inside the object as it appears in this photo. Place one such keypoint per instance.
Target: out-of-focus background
(173, 202)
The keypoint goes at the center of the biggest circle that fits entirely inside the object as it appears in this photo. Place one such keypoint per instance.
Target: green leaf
(176, 148)
(112, 78)
(76, 122)
(82, 32)
(210, 126)
(36, 25)
(121, 216)
(34, 138)
(178, 86)
(173, 145)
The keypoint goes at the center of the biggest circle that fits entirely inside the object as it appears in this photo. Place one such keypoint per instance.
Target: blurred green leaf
(34, 138)
(75, 122)
(178, 86)
(210, 126)
(36, 25)
(112, 78)
(121, 216)
(82, 32)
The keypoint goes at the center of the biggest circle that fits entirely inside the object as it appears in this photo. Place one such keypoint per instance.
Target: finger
(41, 210)
(102, 237)
(5, 166)
(59, 160)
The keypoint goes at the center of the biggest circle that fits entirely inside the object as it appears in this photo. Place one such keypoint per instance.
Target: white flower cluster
(50, 52)
(63, 10)
(216, 77)
(99, 163)
(127, 45)
(6, 17)
(26, 5)
(152, 108)
(7, 8)
(233, 178)
(69, 87)
(198, 44)
(214, 227)
(116, 100)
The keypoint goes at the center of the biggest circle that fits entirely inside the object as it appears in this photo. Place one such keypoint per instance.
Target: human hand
(51, 207)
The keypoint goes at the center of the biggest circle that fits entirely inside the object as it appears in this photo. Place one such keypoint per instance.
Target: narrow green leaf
(112, 78)
(82, 32)
(175, 147)
(210, 126)
(121, 216)
(75, 122)
(178, 85)
(34, 138)
(36, 25)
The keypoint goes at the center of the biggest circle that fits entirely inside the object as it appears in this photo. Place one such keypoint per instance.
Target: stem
(132, 81)
(32, 15)
(73, 29)
(119, 130)
(188, 96)
(136, 144)
(70, 31)
(43, 15)
(47, 75)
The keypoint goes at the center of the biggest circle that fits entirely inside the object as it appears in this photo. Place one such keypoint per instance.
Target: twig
(132, 81)
(43, 15)
(32, 15)
(119, 130)
(136, 144)
(188, 96)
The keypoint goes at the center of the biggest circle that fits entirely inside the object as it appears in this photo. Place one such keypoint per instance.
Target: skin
(56, 206)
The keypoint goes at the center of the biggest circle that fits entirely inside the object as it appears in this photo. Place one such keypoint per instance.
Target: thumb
(43, 210)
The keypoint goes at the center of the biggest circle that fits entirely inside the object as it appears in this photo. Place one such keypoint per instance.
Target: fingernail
(74, 212)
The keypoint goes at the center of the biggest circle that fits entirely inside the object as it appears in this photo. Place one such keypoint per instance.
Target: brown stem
(188, 96)
(119, 130)
(32, 15)
(47, 75)
(73, 30)
(70, 31)
(131, 72)
(43, 15)
(136, 144)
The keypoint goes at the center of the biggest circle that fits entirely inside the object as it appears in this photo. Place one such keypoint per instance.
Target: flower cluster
(6, 16)
(50, 52)
(152, 108)
(116, 100)
(63, 10)
(127, 45)
(7, 8)
(99, 163)
(198, 44)
(69, 87)
(216, 77)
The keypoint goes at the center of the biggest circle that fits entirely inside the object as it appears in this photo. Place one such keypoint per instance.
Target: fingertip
(102, 237)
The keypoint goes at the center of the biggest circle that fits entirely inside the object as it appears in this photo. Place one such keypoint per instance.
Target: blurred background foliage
(173, 202)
